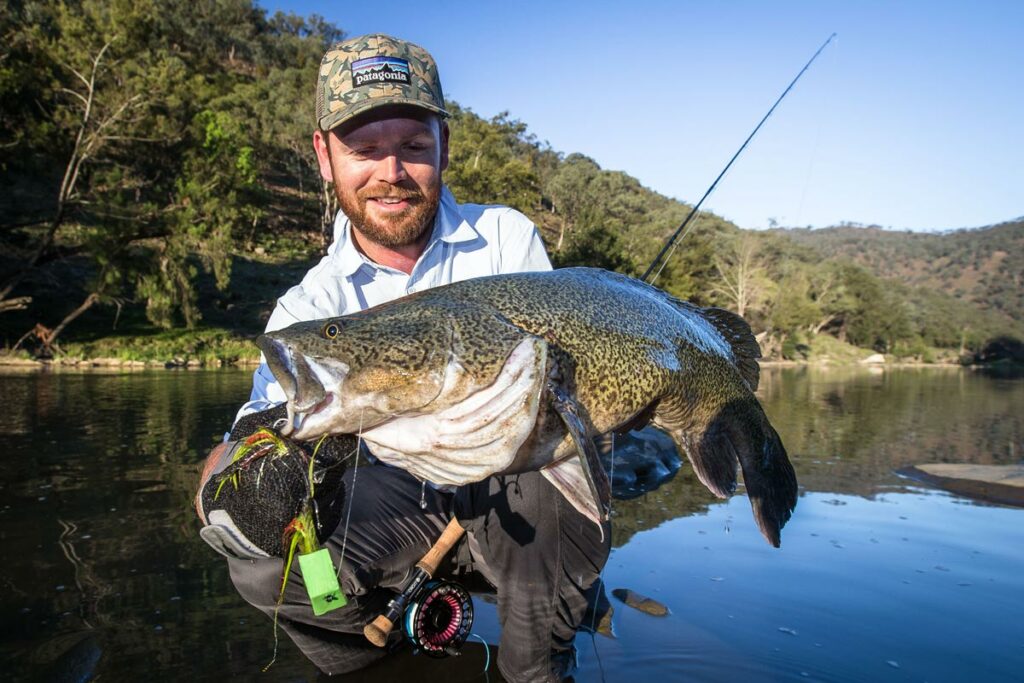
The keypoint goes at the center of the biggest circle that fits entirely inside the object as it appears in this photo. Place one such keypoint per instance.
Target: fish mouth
(299, 380)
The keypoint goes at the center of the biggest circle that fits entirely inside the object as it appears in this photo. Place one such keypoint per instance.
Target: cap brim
(335, 119)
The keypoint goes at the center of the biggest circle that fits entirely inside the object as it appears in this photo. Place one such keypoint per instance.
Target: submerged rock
(994, 483)
(644, 460)
(641, 602)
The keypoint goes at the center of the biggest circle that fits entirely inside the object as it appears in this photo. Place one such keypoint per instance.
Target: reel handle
(377, 631)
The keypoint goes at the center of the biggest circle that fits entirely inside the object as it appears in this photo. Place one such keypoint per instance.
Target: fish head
(344, 375)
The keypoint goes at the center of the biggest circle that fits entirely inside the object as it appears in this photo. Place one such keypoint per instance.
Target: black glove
(261, 483)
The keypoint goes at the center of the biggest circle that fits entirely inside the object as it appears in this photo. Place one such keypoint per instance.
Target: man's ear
(445, 134)
(323, 154)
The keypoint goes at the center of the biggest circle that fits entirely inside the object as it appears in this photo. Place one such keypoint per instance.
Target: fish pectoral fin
(589, 463)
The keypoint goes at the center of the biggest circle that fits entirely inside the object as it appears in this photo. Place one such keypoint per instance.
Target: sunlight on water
(859, 589)
(878, 578)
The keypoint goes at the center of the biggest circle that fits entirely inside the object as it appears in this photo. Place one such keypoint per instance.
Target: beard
(398, 229)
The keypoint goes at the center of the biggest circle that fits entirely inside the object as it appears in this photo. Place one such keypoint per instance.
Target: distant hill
(981, 266)
(195, 200)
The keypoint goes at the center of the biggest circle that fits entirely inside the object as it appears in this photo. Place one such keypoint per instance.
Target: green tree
(575, 196)
(488, 163)
(157, 117)
(216, 175)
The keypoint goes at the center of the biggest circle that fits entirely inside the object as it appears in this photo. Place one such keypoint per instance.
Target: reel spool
(439, 620)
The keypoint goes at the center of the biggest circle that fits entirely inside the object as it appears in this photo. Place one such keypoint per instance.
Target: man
(382, 141)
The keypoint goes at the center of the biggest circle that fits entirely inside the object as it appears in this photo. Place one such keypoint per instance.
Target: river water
(879, 578)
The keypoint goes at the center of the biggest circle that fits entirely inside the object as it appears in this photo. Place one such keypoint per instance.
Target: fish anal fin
(568, 478)
(712, 456)
(582, 437)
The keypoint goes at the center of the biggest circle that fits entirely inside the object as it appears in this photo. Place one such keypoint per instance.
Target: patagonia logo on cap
(379, 70)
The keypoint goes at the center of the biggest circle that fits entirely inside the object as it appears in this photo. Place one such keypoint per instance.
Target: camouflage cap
(370, 71)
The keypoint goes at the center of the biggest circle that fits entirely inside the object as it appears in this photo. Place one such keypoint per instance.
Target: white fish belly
(474, 438)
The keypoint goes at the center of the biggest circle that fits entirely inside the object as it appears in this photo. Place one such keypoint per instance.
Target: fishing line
(814, 153)
(593, 621)
(351, 498)
(679, 231)
(671, 252)
(600, 575)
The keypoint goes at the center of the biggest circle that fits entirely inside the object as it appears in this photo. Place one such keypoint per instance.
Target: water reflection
(911, 585)
(97, 486)
(847, 431)
(104, 572)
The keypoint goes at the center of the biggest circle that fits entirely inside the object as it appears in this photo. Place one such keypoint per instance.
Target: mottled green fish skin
(625, 350)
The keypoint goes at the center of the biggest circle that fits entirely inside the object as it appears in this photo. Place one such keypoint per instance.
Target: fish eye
(331, 330)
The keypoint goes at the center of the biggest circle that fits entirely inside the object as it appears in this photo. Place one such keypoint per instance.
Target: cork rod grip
(449, 537)
(377, 631)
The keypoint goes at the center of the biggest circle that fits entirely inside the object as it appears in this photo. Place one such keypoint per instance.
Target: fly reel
(438, 620)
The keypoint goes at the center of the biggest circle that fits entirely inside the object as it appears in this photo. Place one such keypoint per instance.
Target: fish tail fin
(770, 481)
(739, 432)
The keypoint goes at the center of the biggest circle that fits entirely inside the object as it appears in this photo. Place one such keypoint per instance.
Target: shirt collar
(449, 226)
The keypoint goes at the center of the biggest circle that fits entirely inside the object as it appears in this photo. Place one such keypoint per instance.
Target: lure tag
(321, 581)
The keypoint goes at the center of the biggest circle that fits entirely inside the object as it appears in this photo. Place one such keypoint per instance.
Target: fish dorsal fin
(736, 332)
(745, 348)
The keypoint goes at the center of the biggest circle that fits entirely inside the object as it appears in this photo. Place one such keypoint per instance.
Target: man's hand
(256, 487)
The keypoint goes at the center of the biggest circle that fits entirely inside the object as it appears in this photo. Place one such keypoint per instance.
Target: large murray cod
(512, 373)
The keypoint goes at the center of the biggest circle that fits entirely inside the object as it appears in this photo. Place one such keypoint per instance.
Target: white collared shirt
(469, 240)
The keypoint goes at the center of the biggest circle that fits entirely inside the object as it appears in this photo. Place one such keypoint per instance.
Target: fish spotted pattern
(460, 382)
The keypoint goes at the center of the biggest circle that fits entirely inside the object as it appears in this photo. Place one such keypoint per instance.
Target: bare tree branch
(71, 170)
(71, 92)
(19, 303)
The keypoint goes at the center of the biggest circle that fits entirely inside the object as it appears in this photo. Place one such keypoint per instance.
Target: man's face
(386, 171)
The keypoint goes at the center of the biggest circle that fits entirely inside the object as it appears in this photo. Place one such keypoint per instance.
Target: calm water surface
(878, 578)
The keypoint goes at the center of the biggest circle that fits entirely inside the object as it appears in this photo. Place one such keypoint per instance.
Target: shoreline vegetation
(196, 353)
(158, 192)
(20, 363)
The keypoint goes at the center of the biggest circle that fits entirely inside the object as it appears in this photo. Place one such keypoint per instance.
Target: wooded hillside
(982, 266)
(158, 190)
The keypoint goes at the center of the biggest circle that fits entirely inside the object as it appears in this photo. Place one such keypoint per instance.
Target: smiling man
(382, 142)
(386, 169)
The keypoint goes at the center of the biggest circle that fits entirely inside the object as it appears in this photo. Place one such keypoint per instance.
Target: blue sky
(913, 118)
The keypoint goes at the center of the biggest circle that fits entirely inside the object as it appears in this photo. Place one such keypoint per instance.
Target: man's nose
(392, 170)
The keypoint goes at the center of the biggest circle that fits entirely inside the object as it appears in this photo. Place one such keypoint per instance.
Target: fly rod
(696, 207)
(377, 631)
